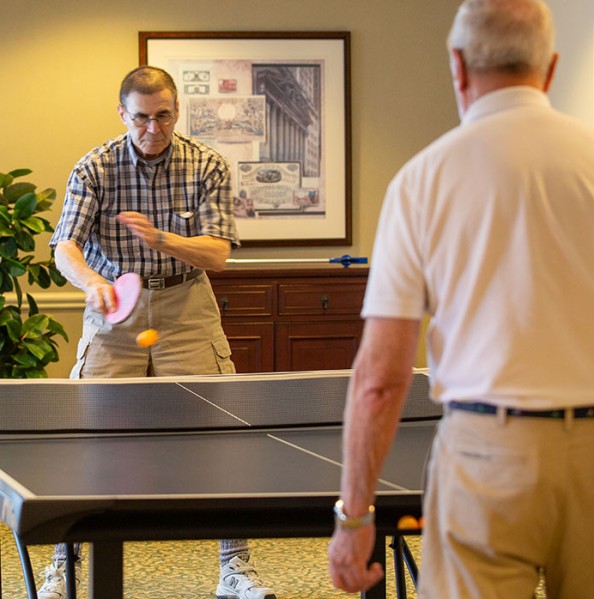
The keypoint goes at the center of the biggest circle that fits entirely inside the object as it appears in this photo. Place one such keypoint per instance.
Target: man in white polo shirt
(489, 230)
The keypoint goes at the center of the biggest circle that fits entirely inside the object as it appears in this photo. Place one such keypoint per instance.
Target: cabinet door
(252, 345)
(329, 345)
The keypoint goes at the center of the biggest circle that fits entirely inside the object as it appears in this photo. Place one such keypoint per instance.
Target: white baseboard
(52, 301)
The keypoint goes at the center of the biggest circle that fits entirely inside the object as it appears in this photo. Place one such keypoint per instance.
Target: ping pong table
(205, 457)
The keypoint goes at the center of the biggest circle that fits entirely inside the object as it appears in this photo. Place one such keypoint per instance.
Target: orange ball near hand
(147, 338)
(408, 522)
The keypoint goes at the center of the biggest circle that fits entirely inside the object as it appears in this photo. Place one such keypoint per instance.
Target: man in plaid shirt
(158, 204)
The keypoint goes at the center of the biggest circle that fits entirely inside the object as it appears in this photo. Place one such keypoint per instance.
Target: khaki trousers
(508, 497)
(191, 339)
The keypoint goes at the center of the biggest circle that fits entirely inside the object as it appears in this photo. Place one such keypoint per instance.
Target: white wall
(573, 88)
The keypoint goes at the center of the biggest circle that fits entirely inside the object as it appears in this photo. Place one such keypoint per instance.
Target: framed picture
(277, 106)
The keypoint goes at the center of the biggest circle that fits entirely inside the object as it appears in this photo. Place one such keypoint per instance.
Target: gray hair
(515, 36)
(146, 80)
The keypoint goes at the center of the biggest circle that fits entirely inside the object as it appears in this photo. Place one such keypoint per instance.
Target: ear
(459, 70)
(551, 72)
(122, 113)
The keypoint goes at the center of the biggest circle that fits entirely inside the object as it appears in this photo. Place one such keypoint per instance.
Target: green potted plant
(27, 338)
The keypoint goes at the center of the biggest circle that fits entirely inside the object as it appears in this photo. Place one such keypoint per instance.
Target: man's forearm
(206, 252)
(382, 373)
(71, 263)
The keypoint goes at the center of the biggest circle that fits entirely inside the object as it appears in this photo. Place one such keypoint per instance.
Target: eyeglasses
(142, 120)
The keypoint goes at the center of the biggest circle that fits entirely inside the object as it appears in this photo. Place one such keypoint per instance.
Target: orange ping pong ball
(407, 522)
(147, 338)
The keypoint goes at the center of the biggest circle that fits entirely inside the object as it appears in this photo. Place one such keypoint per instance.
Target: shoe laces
(248, 570)
(54, 574)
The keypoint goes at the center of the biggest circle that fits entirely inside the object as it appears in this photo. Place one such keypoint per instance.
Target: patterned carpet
(295, 568)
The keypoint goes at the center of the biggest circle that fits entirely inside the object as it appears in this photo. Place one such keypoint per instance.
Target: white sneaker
(54, 586)
(239, 580)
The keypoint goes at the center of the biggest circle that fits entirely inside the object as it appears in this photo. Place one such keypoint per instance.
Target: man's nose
(153, 126)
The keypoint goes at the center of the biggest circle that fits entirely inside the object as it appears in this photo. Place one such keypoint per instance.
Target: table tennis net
(225, 402)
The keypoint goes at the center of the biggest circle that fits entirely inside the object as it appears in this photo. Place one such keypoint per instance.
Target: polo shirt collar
(505, 99)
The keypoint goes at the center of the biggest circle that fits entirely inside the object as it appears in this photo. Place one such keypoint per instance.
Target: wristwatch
(344, 521)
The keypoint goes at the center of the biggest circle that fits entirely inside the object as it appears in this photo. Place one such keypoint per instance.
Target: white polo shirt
(490, 230)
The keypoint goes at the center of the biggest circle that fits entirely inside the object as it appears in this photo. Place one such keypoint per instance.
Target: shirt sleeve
(396, 287)
(216, 203)
(78, 213)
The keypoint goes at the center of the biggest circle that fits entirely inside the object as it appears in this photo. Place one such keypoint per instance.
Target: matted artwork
(277, 106)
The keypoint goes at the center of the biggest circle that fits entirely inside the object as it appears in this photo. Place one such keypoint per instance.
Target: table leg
(397, 546)
(106, 570)
(378, 555)
(26, 565)
(70, 572)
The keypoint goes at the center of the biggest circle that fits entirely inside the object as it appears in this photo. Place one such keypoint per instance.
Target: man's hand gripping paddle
(127, 289)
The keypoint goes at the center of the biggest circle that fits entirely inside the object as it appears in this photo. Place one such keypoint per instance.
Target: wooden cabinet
(291, 319)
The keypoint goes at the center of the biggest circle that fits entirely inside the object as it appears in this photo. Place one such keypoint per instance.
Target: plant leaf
(35, 326)
(6, 180)
(14, 330)
(8, 247)
(37, 373)
(28, 356)
(56, 328)
(56, 276)
(39, 348)
(13, 192)
(24, 206)
(37, 224)
(6, 285)
(33, 308)
(15, 268)
(18, 291)
(39, 275)
(25, 241)
(45, 199)
(20, 172)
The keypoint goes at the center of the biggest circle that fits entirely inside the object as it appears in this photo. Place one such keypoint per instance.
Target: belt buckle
(156, 283)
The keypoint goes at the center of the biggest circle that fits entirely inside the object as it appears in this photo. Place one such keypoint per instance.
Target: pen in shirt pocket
(188, 218)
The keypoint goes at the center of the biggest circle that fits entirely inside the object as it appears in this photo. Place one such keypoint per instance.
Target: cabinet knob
(225, 303)
(325, 302)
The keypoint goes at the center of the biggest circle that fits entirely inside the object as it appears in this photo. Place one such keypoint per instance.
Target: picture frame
(277, 106)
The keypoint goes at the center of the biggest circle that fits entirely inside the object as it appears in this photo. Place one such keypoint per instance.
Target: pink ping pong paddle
(127, 289)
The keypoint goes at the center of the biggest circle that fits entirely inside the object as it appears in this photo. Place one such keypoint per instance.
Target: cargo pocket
(82, 352)
(222, 353)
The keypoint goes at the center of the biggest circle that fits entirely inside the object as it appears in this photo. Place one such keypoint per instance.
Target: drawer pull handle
(225, 304)
(325, 302)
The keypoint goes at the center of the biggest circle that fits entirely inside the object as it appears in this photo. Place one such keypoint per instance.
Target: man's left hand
(141, 226)
(349, 553)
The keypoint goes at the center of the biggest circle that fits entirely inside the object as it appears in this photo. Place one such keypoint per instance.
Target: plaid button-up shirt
(186, 191)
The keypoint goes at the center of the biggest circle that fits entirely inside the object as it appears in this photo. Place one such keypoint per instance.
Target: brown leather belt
(156, 282)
